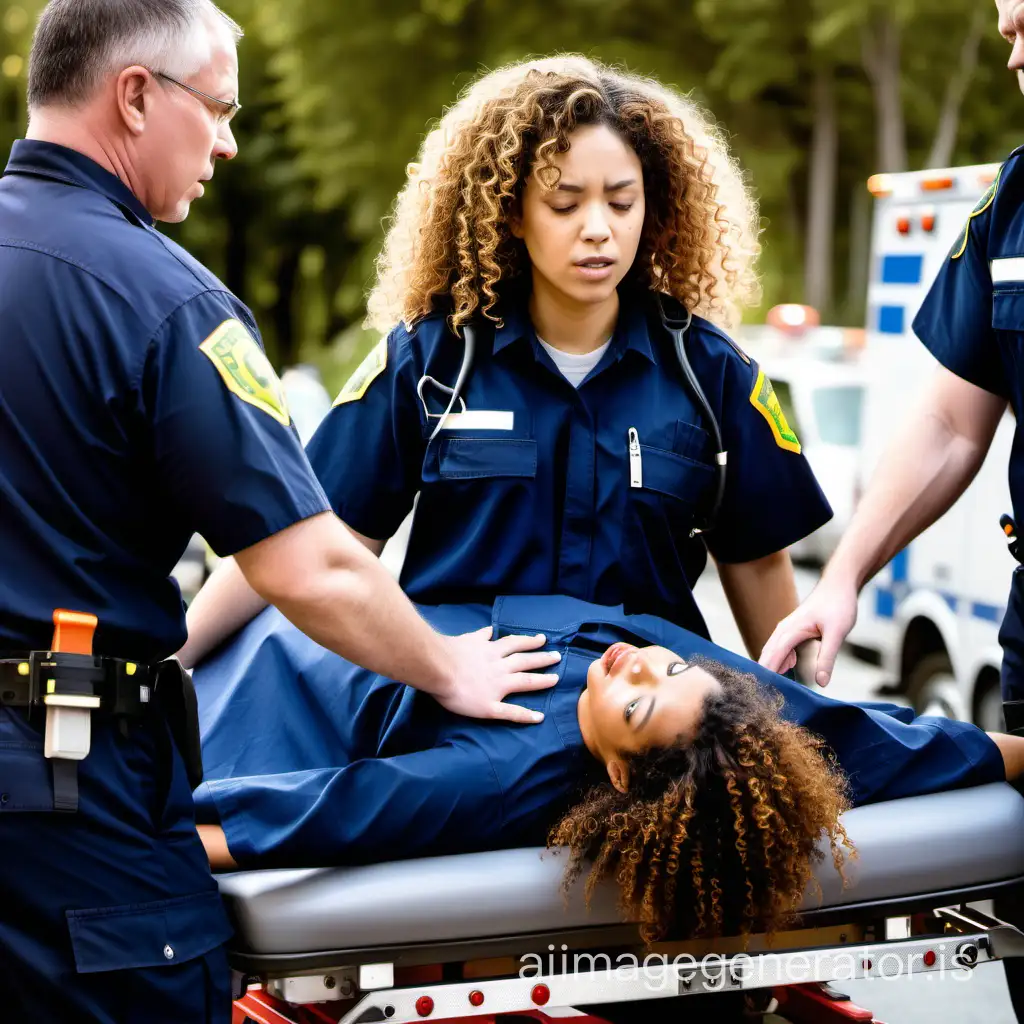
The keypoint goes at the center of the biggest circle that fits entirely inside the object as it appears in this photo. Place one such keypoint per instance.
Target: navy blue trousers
(108, 915)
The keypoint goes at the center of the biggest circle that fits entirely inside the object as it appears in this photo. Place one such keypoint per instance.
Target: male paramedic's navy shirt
(527, 489)
(136, 407)
(312, 761)
(973, 318)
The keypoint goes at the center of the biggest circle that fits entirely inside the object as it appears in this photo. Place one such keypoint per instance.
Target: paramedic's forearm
(338, 593)
(760, 594)
(222, 607)
(226, 603)
(926, 467)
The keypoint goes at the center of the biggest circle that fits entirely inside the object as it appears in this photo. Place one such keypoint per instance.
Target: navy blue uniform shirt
(136, 407)
(312, 761)
(972, 321)
(527, 489)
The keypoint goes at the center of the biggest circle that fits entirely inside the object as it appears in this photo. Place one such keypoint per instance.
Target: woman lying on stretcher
(697, 781)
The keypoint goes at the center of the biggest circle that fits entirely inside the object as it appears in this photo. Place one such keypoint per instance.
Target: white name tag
(1009, 269)
(480, 419)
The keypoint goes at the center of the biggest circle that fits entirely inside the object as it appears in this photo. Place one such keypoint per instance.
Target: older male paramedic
(136, 408)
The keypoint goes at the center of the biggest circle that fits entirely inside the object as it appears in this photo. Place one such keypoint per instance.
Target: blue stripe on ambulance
(901, 269)
(891, 319)
(888, 598)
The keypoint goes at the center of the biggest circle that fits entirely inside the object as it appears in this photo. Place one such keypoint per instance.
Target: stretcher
(492, 934)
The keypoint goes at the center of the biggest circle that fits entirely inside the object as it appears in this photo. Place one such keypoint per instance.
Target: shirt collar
(48, 160)
(631, 332)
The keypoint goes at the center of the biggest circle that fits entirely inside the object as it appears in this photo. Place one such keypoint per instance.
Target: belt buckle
(57, 679)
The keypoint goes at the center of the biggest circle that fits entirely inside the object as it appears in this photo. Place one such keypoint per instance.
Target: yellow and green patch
(983, 204)
(766, 402)
(245, 369)
(366, 373)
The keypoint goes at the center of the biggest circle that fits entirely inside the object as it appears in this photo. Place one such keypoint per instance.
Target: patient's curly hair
(719, 835)
(450, 231)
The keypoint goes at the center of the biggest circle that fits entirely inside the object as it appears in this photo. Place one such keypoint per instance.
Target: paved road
(925, 999)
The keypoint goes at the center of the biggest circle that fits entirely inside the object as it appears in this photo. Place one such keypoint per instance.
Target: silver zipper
(636, 468)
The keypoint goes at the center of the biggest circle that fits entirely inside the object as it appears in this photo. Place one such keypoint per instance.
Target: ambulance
(932, 615)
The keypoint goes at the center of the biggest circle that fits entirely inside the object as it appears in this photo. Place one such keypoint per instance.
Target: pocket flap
(470, 458)
(159, 934)
(674, 475)
(1008, 309)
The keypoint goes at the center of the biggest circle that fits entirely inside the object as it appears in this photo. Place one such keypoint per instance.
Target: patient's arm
(1012, 749)
(216, 845)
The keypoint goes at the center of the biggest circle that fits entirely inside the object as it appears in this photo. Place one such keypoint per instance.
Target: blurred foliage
(337, 97)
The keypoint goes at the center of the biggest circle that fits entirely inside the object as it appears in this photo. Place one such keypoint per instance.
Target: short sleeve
(772, 498)
(368, 451)
(228, 459)
(955, 320)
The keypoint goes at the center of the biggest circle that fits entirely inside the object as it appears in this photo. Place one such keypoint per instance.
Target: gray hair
(78, 42)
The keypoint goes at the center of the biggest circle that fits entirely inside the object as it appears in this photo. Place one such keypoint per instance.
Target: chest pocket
(480, 458)
(677, 477)
(1008, 308)
(1008, 320)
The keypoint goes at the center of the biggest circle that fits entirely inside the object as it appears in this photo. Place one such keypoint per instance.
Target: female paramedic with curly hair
(562, 224)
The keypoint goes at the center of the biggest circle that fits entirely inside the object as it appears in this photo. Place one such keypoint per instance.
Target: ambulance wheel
(931, 686)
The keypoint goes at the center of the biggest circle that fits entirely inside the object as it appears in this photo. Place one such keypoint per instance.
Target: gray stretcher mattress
(927, 844)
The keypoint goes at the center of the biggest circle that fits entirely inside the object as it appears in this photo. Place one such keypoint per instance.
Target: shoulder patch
(766, 402)
(983, 204)
(245, 369)
(366, 373)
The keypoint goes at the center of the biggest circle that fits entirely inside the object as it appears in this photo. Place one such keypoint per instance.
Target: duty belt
(51, 678)
(74, 683)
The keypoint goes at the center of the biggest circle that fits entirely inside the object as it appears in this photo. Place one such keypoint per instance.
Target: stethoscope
(677, 328)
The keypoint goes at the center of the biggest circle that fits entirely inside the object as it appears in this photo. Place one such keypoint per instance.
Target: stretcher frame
(471, 980)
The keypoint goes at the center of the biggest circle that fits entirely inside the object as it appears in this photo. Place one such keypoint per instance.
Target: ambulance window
(837, 410)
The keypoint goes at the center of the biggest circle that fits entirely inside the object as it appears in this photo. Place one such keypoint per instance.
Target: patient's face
(643, 697)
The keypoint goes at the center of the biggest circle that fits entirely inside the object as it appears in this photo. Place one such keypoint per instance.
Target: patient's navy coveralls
(312, 761)
(527, 488)
(973, 323)
(120, 436)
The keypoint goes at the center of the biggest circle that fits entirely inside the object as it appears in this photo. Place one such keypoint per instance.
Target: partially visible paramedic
(137, 407)
(972, 321)
(552, 214)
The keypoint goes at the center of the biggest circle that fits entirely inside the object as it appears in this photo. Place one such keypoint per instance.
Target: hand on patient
(486, 671)
(829, 614)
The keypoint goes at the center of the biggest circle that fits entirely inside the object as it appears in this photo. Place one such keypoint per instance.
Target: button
(168, 952)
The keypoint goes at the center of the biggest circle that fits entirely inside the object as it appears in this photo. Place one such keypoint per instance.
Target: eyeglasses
(223, 110)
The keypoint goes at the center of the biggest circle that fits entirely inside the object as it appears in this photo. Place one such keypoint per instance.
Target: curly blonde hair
(450, 232)
(718, 835)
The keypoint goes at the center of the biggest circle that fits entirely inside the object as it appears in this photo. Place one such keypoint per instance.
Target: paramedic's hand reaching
(486, 671)
(829, 613)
